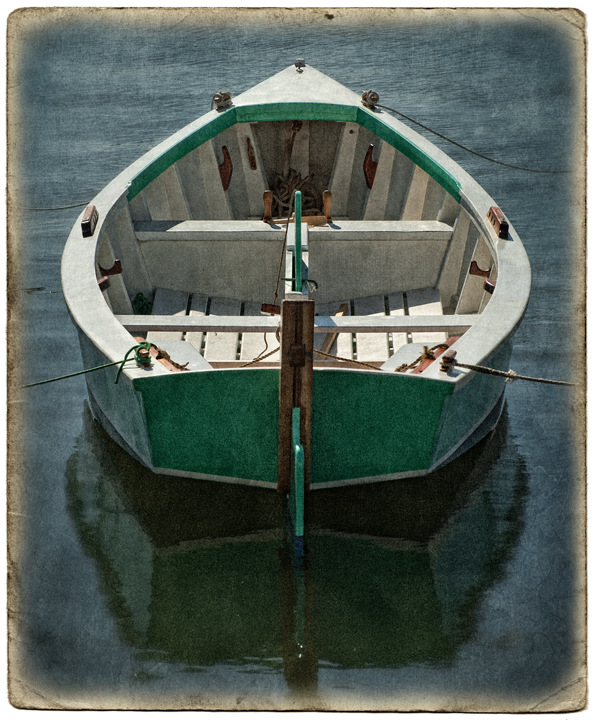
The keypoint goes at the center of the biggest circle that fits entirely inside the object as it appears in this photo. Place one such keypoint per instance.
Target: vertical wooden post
(296, 383)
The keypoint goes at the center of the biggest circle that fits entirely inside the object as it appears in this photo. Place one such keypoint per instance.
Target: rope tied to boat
(448, 362)
(427, 354)
(141, 356)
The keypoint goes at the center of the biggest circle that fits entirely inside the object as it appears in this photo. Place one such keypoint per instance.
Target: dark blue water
(459, 592)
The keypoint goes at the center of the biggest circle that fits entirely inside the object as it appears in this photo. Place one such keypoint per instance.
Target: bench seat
(375, 329)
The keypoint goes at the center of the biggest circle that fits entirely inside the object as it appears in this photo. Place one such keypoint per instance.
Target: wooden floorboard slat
(371, 346)
(253, 344)
(222, 345)
(168, 302)
(425, 302)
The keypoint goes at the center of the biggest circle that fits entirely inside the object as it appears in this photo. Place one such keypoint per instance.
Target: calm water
(455, 592)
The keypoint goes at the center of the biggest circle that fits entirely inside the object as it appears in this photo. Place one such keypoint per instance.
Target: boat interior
(380, 237)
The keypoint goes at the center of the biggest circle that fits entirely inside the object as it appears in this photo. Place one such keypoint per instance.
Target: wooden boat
(391, 250)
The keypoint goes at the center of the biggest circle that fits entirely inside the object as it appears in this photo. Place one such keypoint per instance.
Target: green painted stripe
(297, 477)
(380, 128)
(293, 111)
(198, 137)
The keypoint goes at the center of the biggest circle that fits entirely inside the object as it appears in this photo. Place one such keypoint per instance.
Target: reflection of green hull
(189, 587)
(224, 603)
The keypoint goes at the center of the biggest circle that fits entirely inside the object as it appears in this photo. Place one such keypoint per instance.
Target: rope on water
(473, 152)
(61, 207)
(141, 359)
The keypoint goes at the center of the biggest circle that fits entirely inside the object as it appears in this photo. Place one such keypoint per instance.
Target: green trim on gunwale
(293, 111)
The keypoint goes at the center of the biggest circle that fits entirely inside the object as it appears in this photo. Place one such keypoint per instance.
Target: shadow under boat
(393, 572)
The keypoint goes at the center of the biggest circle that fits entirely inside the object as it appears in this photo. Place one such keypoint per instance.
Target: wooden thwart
(296, 384)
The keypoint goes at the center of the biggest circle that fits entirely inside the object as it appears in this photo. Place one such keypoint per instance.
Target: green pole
(297, 242)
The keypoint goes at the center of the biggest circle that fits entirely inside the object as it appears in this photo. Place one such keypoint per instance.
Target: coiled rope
(141, 359)
(469, 150)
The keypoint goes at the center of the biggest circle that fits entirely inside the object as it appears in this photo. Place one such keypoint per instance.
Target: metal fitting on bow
(370, 98)
(222, 100)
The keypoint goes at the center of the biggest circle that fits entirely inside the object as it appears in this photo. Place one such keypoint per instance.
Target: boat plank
(416, 195)
(254, 344)
(371, 346)
(333, 343)
(255, 181)
(198, 307)
(222, 345)
(395, 302)
(425, 302)
(473, 287)
(376, 204)
(168, 302)
(323, 324)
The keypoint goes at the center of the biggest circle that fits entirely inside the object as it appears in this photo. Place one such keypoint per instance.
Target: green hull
(223, 425)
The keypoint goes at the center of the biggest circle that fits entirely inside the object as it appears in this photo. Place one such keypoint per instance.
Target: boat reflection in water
(202, 573)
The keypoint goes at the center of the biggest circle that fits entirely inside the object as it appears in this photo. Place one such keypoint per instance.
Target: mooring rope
(473, 152)
(48, 209)
(510, 375)
(427, 354)
(137, 357)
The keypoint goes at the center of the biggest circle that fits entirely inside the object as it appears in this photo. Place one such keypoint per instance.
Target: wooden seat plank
(168, 302)
(333, 343)
(456, 324)
(197, 307)
(222, 345)
(253, 344)
(395, 302)
(426, 302)
(371, 346)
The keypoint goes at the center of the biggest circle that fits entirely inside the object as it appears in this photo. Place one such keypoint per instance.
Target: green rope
(138, 358)
(141, 306)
